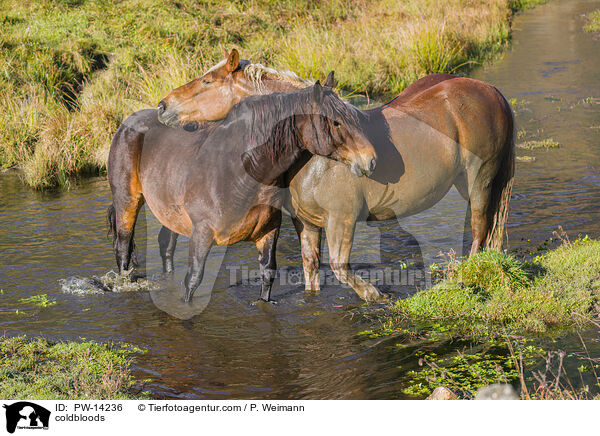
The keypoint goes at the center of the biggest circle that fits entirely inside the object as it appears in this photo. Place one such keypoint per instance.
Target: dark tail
(501, 191)
(111, 220)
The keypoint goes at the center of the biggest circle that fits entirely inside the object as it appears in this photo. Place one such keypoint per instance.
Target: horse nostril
(161, 107)
(372, 164)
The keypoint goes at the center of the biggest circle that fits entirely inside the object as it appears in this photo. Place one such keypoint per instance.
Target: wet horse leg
(126, 212)
(479, 218)
(201, 239)
(310, 243)
(480, 196)
(340, 232)
(167, 241)
(267, 246)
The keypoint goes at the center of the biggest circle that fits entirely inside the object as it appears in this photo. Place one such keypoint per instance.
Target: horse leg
(201, 239)
(310, 243)
(480, 223)
(340, 233)
(267, 246)
(126, 212)
(167, 241)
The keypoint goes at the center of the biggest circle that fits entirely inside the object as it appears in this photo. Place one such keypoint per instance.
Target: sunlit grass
(541, 144)
(592, 21)
(492, 293)
(39, 370)
(71, 71)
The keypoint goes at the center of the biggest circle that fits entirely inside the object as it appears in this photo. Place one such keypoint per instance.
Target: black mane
(271, 135)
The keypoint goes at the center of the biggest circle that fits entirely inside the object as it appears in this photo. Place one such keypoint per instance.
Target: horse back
(472, 113)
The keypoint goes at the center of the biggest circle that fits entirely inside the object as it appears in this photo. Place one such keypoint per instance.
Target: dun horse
(443, 130)
(221, 184)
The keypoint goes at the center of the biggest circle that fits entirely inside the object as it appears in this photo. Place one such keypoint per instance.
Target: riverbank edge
(53, 142)
(495, 307)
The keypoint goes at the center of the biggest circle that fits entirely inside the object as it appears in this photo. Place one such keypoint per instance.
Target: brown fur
(441, 131)
(222, 182)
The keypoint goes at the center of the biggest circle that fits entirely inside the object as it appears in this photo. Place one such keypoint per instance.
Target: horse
(441, 131)
(222, 183)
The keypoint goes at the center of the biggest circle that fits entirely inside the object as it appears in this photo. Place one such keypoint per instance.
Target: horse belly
(431, 162)
(324, 188)
(259, 221)
(406, 199)
(164, 200)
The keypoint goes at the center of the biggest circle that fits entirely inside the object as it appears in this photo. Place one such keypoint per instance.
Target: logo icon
(26, 415)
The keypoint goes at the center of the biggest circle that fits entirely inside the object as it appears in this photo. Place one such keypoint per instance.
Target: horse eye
(336, 123)
(206, 82)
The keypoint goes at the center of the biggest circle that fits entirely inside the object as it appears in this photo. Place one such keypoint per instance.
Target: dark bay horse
(222, 183)
(441, 131)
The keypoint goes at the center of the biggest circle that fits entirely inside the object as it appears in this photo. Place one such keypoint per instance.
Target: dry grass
(68, 85)
(386, 45)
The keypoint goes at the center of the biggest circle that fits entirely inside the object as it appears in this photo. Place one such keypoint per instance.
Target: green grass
(477, 325)
(493, 294)
(517, 5)
(39, 300)
(35, 369)
(541, 144)
(72, 70)
(467, 371)
(592, 21)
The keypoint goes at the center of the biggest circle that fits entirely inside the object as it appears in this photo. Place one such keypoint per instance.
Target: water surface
(307, 346)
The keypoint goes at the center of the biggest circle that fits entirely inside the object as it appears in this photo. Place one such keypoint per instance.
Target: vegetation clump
(467, 371)
(492, 294)
(39, 370)
(41, 300)
(592, 21)
(534, 145)
(68, 85)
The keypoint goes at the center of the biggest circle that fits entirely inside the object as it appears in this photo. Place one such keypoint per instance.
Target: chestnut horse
(442, 131)
(222, 184)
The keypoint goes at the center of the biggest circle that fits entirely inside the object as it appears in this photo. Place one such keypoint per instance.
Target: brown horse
(222, 182)
(441, 131)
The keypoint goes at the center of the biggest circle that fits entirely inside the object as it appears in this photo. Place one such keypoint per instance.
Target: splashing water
(109, 282)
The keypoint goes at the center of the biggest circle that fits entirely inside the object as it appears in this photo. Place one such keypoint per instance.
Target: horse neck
(272, 85)
(267, 162)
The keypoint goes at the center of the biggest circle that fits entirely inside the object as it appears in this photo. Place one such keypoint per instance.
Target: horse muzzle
(168, 119)
(366, 168)
(172, 120)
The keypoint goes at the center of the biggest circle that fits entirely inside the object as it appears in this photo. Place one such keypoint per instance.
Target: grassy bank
(494, 318)
(38, 370)
(494, 294)
(71, 70)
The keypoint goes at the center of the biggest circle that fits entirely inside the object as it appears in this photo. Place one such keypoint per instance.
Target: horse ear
(233, 60)
(317, 94)
(330, 81)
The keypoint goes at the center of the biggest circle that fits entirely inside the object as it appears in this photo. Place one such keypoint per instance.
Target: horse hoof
(378, 298)
(384, 298)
